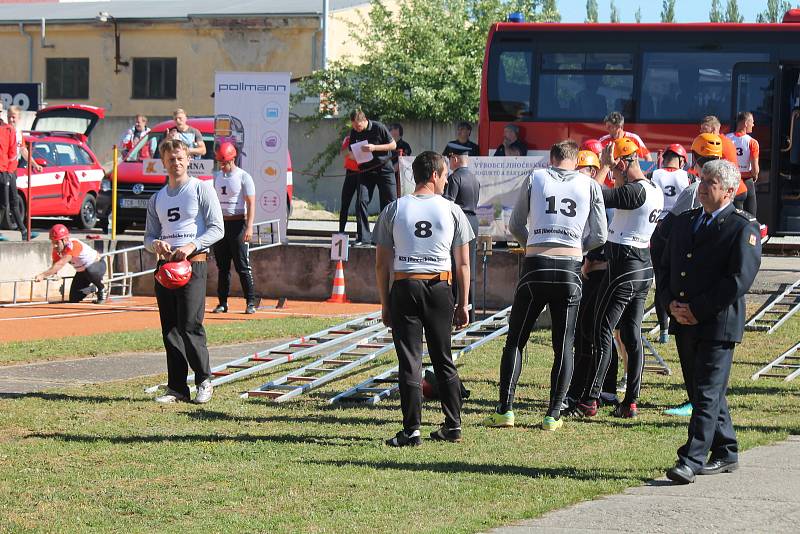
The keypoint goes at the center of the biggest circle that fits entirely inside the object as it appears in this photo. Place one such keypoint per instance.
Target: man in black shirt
(511, 140)
(464, 189)
(378, 171)
(403, 148)
(462, 139)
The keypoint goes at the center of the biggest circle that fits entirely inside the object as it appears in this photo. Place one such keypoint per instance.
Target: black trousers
(417, 305)
(181, 312)
(750, 204)
(11, 208)
(233, 247)
(349, 188)
(621, 306)
(706, 367)
(545, 281)
(387, 191)
(661, 307)
(92, 275)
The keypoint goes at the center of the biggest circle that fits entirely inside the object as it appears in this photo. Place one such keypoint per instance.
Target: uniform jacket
(712, 270)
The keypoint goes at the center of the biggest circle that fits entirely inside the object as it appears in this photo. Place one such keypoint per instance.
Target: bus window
(686, 86)
(511, 84)
(585, 86)
(756, 93)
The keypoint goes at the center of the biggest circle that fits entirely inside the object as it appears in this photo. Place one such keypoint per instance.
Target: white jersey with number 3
(635, 227)
(423, 234)
(671, 182)
(558, 209)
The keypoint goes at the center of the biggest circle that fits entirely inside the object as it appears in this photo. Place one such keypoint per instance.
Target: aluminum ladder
(288, 352)
(653, 362)
(777, 311)
(788, 363)
(650, 324)
(325, 369)
(384, 385)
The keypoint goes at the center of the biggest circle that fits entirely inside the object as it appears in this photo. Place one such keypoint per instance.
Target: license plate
(133, 203)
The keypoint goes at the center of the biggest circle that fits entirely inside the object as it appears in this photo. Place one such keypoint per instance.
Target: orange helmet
(225, 152)
(624, 147)
(587, 158)
(707, 145)
(174, 274)
(592, 144)
(59, 232)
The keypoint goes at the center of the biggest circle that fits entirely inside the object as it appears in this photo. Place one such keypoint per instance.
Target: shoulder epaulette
(745, 215)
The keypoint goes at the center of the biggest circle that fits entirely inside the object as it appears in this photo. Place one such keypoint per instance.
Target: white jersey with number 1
(559, 209)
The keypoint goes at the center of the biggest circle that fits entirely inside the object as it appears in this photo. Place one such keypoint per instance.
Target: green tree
(422, 62)
(614, 12)
(732, 12)
(591, 10)
(638, 15)
(715, 15)
(774, 11)
(668, 11)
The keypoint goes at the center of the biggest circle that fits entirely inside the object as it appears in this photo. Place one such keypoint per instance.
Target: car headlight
(105, 185)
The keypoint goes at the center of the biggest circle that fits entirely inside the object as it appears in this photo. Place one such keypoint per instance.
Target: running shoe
(204, 392)
(251, 309)
(551, 423)
(453, 435)
(622, 385)
(171, 397)
(500, 420)
(221, 308)
(626, 411)
(583, 409)
(401, 439)
(684, 410)
(663, 337)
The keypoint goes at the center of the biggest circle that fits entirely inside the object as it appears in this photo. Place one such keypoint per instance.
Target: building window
(154, 77)
(67, 78)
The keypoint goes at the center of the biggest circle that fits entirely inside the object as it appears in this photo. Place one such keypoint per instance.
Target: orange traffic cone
(337, 294)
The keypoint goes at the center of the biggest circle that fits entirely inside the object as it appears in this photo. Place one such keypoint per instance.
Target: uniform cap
(58, 232)
(624, 147)
(707, 145)
(587, 158)
(458, 149)
(592, 144)
(225, 152)
(174, 274)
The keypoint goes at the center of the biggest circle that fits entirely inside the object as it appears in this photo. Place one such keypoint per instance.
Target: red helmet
(174, 274)
(593, 145)
(58, 232)
(225, 152)
(676, 149)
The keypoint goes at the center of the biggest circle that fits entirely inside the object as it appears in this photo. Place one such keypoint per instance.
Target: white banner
(197, 167)
(501, 180)
(252, 111)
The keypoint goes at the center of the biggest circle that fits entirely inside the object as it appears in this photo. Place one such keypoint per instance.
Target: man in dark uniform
(415, 236)
(462, 138)
(464, 189)
(374, 138)
(711, 258)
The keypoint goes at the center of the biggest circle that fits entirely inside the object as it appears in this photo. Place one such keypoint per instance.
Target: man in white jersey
(237, 197)
(89, 268)
(747, 152)
(415, 235)
(672, 179)
(184, 219)
(638, 203)
(559, 215)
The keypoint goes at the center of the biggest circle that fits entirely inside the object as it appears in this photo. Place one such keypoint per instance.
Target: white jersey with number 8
(423, 234)
(559, 209)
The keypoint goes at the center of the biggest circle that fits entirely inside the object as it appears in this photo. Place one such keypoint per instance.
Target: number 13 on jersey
(339, 247)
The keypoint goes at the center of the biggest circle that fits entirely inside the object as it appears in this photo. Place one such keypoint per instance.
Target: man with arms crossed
(415, 235)
(183, 220)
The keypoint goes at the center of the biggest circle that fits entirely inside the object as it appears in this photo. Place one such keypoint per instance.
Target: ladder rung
(270, 394)
(341, 332)
(261, 359)
(773, 375)
(298, 378)
(281, 352)
(303, 345)
(239, 366)
(385, 380)
(336, 362)
(221, 373)
(371, 390)
(320, 369)
(371, 346)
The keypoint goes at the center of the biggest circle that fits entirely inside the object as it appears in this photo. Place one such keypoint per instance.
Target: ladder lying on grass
(384, 385)
(786, 366)
(291, 351)
(326, 368)
(777, 311)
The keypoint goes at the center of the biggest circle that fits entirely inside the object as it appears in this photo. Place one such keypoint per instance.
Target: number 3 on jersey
(423, 229)
(568, 211)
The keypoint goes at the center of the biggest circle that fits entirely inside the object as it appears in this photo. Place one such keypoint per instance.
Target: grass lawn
(150, 340)
(107, 458)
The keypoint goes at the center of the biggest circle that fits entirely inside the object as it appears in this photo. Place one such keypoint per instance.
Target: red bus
(557, 81)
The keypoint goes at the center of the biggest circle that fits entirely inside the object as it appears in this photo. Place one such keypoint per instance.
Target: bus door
(787, 198)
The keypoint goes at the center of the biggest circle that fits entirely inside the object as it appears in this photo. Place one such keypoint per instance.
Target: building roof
(129, 10)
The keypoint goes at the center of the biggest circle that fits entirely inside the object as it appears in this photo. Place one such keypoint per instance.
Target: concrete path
(32, 377)
(762, 496)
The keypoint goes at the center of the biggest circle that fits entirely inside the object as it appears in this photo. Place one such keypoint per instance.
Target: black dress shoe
(714, 467)
(681, 474)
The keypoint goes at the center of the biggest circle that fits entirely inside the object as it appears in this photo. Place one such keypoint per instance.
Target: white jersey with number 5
(635, 227)
(423, 234)
(671, 182)
(178, 213)
(559, 208)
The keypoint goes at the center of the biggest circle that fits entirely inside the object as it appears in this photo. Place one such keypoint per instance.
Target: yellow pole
(114, 195)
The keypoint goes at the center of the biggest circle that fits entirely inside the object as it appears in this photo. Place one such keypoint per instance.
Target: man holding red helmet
(237, 197)
(89, 268)
(184, 219)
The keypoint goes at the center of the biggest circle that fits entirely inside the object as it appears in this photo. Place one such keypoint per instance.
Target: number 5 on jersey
(173, 214)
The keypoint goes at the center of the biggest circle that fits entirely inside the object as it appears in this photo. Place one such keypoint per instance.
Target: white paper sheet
(360, 155)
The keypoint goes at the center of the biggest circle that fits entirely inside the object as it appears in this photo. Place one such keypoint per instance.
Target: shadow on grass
(342, 441)
(63, 397)
(484, 469)
(325, 419)
(683, 422)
